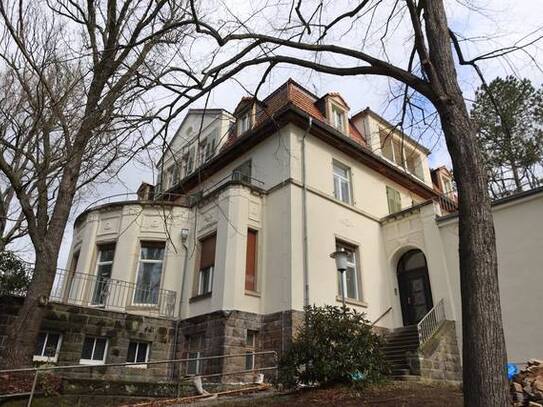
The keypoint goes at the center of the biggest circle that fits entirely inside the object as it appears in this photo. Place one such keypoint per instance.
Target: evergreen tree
(509, 116)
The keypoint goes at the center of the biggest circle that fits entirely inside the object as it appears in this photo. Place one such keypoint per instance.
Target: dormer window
(244, 123)
(338, 118)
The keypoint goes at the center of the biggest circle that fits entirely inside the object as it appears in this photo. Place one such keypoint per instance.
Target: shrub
(335, 345)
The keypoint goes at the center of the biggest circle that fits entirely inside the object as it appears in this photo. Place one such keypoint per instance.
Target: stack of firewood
(527, 385)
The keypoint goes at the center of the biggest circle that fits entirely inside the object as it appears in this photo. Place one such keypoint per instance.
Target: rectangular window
(244, 123)
(338, 118)
(350, 275)
(394, 200)
(342, 182)
(195, 349)
(385, 139)
(207, 264)
(138, 352)
(94, 351)
(172, 176)
(250, 344)
(149, 273)
(104, 264)
(48, 347)
(250, 260)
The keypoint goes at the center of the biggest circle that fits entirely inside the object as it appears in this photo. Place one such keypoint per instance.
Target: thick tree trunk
(484, 354)
(23, 332)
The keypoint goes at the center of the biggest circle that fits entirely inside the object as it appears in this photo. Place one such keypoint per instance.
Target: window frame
(140, 365)
(208, 269)
(100, 248)
(397, 193)
(244, 123)
(339, 113)
(250, 359)
(48, 359)
(255, 232)
(338, 192)
(151, 261)
(94, 362)
(195, 354)
(355, 265)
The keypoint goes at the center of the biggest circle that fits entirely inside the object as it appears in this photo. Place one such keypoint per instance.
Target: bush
(15, 276)
(335, 345)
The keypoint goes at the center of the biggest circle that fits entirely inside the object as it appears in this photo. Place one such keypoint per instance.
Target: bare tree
(430, 74)
(79, 79)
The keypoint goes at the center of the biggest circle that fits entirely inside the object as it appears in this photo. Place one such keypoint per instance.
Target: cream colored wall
(519, 240)
(368, 186)
(127, 227)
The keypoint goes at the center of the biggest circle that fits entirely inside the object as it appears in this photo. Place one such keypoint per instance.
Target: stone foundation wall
(226, 333)
(223, 333)
(120, 328)
(439, 358)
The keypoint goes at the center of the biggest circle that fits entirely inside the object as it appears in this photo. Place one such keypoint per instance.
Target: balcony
(112, 295)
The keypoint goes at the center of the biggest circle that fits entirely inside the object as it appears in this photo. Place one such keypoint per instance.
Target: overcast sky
(504, 21)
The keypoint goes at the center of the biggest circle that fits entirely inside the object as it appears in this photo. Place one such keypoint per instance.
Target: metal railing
(181, 365)
(431, 322)
(111, 294)
(235, 176)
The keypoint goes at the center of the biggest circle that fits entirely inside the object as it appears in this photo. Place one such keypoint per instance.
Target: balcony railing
(110, 294)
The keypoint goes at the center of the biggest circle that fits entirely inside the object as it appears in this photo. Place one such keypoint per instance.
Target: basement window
(48, 347)
(94, 351)
(250, 343)
(138, 352)
(195, 349)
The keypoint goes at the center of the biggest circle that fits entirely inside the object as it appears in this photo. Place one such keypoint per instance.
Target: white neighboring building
(236, 238)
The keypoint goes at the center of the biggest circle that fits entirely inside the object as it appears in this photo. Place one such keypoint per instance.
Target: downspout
(304, 218)
(179, 316)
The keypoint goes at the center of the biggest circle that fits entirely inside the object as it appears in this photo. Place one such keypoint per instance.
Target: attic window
(244, 123)
(338, 118)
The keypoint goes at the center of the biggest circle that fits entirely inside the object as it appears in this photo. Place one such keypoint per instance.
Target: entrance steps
(397, 344)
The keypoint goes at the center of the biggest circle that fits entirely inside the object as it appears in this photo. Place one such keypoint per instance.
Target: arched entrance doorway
(414, 284)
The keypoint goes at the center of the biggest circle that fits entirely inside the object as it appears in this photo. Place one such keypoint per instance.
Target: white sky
(505, 21)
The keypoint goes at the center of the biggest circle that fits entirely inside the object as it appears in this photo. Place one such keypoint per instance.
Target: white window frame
(143, 365)
(338, 192)
(244, 123)
(93, 361)
(140, 260)
(250, 355)
(102, 263)
(209, 289)
(194, 355)
(49, 359)
(338, 118)
(353, 265)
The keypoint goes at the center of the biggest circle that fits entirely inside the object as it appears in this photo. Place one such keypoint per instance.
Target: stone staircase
(397, 344)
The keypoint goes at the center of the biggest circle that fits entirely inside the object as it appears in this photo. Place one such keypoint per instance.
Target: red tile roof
(290, 93)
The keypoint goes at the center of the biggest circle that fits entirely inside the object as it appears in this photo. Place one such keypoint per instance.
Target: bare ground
(398, 394)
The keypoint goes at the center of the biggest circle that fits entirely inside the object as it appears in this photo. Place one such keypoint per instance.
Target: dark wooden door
(415, 292)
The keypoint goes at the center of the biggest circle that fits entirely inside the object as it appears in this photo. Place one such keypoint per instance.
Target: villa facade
(235, 238)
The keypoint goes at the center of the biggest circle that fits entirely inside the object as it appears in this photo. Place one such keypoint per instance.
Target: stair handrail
(431, 322)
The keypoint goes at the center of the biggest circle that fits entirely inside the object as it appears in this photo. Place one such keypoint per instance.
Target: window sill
(352, 301)
(252, 293)
(200, 297)
(142, 366)
(91, 362)
(45, 359)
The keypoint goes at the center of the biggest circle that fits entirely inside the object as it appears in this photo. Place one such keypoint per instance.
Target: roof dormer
(336, 111)
(245, 114)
